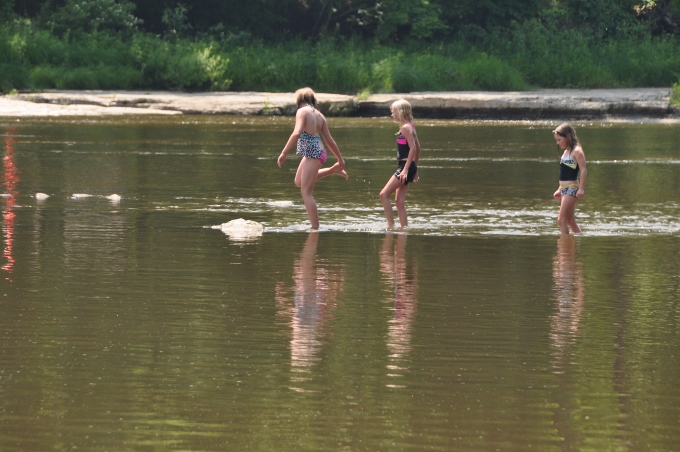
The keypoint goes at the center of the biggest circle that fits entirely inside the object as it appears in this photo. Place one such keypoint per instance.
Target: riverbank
(565, 104)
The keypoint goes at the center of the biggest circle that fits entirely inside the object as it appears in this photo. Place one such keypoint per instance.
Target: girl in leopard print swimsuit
(310, 127)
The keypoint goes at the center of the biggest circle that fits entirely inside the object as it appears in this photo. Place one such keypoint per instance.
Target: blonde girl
(408, 154)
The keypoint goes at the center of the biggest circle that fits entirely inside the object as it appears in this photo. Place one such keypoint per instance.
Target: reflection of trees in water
(11, 179)
(403, 282)
(307, 307)
(568, 285)
(92, 238)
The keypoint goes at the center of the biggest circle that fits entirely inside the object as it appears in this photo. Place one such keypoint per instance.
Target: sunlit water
(137, 323)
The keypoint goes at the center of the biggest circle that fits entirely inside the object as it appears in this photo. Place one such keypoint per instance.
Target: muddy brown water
(136, 324)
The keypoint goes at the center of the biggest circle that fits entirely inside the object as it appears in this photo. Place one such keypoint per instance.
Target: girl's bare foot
(335, 169)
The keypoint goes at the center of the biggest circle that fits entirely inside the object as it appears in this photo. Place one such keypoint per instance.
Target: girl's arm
(416, 141)
(332, 145)
(578, 155)
(416, 158)
(292, 140)
(414, 149)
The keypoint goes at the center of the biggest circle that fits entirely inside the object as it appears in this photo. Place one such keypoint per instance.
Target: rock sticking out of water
(80, 195)
(41, 196)
(242, 230)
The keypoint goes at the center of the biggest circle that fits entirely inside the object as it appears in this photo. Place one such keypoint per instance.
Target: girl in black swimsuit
(573, 177)
(408, 154)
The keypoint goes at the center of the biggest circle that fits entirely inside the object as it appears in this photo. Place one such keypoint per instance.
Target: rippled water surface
(137, 323)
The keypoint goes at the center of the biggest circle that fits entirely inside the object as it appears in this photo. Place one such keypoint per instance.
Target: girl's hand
(417, 177)
(403, 176)
(281, 160)
(558, 194)
(580, 194)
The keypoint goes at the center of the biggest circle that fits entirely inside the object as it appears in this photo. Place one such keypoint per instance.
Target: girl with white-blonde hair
(408, 154)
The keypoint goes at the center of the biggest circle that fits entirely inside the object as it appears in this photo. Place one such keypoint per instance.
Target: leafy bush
(94, 77)
(86, 16)
(179, 65)
(530, 54)
(11, 76)
(492, 74)
(642, 61)
(675, 95)
(549, 60)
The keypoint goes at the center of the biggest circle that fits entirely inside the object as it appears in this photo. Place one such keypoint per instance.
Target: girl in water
(408, 154)
(573, 177)
(310, 126)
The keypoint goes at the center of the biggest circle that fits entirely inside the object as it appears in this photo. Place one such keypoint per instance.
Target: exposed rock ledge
(531, 105)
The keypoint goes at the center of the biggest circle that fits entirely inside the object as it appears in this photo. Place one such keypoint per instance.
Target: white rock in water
(41, 196)
(242, 225)
(114, 197)
(241, 229)
(280, 203)
(80, 195)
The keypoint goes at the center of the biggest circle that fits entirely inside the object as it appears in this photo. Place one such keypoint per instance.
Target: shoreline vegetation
(360, 48)
(37, 61)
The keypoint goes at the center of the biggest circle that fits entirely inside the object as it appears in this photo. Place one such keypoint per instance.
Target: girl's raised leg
(335, 169)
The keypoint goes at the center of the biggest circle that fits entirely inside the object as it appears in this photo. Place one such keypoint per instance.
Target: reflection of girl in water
(316, 291)
(569, 293)
(403, 281)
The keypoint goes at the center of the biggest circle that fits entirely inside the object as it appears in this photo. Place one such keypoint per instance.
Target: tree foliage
(87, 16)
(382, 20)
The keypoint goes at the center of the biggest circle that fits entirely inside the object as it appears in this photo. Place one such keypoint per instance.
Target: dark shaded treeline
(384, 20)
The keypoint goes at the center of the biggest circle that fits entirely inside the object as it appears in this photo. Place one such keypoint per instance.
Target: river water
(138, 324)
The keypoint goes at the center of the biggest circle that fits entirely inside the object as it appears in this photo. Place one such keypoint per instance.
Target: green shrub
(642, 61)
(675, 95)
(13, 71)
(548, 60)
(180, 65)
(491, 73)
(12, 76)
(86, 16)
(531, 54)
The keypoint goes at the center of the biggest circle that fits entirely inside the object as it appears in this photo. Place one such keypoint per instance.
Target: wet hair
(305, 95)
(403, 109)
(565, 130)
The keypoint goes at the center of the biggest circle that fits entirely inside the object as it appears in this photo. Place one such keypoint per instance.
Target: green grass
(525, 57)
(675, 95)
